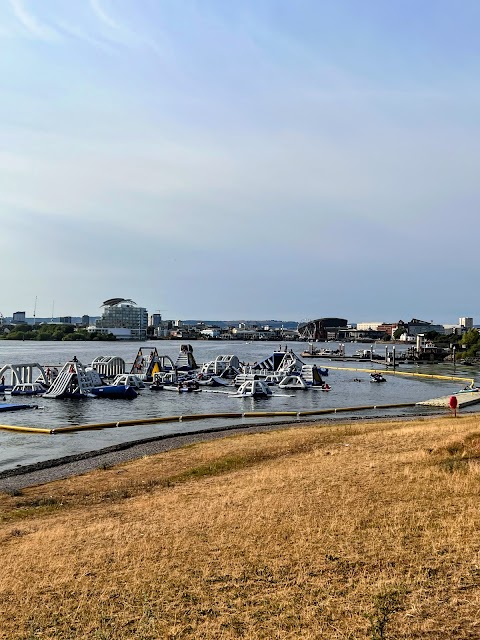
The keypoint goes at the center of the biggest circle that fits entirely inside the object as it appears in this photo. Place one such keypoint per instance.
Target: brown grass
(364, 531)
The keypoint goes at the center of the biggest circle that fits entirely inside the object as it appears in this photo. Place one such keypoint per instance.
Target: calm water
(19, 449)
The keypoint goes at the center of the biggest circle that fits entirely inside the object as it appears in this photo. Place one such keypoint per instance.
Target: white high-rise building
(124, 319)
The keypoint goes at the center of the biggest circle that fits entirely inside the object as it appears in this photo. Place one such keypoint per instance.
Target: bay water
(349, 388)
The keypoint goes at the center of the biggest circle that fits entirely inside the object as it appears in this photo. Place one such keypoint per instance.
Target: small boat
(377, 377)
(114, 391)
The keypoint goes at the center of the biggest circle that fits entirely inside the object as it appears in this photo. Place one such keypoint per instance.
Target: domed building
(124, 319)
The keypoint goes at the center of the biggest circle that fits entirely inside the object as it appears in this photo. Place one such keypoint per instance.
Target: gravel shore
(56, 469)
(47, 471)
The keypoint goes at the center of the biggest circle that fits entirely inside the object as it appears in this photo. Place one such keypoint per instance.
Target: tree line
(52, 332)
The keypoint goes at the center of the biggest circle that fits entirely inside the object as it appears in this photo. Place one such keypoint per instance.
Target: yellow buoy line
(199, 416)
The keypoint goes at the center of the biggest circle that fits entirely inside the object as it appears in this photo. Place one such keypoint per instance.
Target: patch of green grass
(386, 604)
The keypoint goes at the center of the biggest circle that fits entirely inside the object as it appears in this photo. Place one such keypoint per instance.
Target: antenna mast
(34, 310)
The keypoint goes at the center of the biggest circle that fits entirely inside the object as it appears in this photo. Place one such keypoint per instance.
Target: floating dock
(16, 407)
(464, 399)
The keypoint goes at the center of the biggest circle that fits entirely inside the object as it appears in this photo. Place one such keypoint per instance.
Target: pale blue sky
(241, 159)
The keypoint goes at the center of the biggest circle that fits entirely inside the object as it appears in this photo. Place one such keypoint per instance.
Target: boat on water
(314, 352)
(377, 377)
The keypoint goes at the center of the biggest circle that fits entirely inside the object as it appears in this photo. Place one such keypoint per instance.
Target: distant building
(368, 326)
(124, 319)
(155, 320)
(85, 320)
(211, 333)
(65, 319)
(388, 328)
(466, 323)
(18, 316)
(422, 326)
(322, 329)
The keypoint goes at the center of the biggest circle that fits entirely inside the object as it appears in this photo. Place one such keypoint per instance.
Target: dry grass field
(367, 530)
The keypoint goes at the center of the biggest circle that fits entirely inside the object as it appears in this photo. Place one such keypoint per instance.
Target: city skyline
(351, 319)
(240, 159)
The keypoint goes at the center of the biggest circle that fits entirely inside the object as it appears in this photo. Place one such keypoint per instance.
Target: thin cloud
(34, 27)
(120, 34)
(103, 16)
(82, 35)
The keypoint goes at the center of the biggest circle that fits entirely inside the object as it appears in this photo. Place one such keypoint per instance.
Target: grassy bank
(346, 531)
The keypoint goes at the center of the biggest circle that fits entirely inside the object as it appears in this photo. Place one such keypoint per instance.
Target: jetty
(464, 399)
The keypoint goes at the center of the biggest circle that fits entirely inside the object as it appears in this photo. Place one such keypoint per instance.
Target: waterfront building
(18, 317)
(368, 326)
(414, 327)
(389, 327)
(211, 333)
(124, 319)
(85, 320)
(65, 319)
(322, 329)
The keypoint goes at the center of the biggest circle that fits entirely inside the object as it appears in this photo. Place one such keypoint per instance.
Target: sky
(214, 159)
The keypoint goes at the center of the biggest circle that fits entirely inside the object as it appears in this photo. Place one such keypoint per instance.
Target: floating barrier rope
(199, 416)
